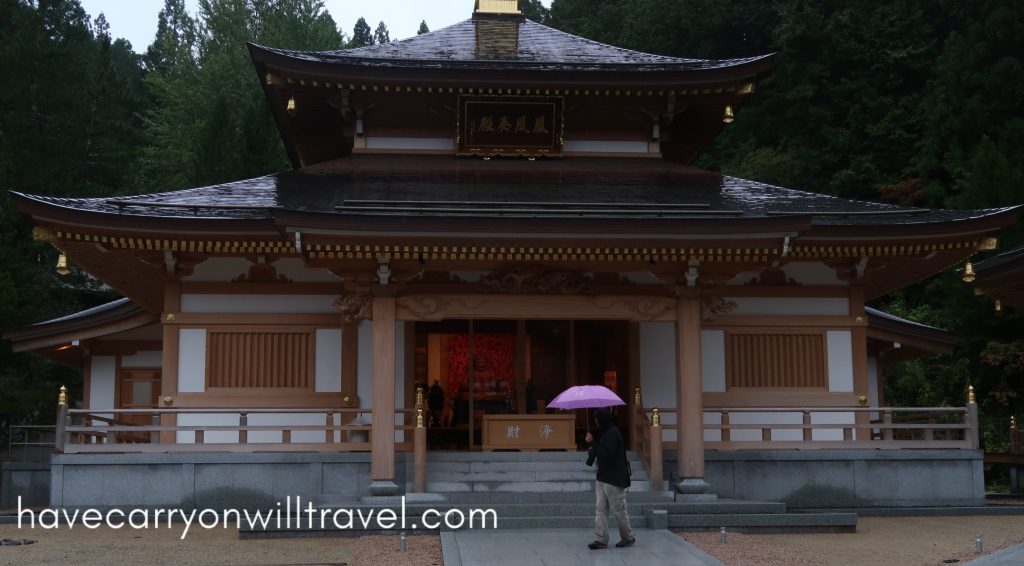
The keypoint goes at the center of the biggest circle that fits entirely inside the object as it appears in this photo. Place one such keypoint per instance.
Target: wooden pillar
(521, 362)
(382, 458)
(859, 356)
(169, 371)
(689, 397)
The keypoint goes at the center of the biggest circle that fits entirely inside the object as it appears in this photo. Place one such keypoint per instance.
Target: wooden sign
(510, 126)
(529, 432)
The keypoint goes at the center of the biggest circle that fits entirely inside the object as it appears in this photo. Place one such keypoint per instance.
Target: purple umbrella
(586, 397)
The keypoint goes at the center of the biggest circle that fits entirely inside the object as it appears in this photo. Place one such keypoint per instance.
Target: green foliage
(917, 102)
(68, 126)
(209, 122)
(423, 28)
(361, 34)
(380, 35)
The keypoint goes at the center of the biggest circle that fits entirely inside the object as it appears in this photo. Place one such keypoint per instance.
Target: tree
(380, 36)
(534, 10)
(423, 28)
(69, 127)
(361, 35)
(210, 123)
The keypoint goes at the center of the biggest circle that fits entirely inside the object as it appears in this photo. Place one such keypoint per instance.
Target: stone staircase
(549, 490)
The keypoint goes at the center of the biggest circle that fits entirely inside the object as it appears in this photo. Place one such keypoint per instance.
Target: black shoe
(596, 545)
(625, 543)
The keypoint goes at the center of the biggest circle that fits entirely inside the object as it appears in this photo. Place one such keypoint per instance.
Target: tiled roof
(433, 186)
(1009, 259)
(539, 48)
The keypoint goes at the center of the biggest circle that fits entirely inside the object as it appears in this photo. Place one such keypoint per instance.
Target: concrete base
(207, 481)
(383, 487)
(692, 486)
(28, 480)
(831, 479)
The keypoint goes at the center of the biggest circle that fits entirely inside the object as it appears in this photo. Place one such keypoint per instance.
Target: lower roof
(448, 187)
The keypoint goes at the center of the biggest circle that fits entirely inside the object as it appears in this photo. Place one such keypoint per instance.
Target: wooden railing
(140, 430)
(843, 427)
(647, 443)
(119, 430)
(814, 428)
(1016, 438)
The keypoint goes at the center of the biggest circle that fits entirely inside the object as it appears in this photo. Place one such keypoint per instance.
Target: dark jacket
(609, 449)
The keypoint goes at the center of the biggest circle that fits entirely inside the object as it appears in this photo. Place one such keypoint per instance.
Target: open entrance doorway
(473, 368)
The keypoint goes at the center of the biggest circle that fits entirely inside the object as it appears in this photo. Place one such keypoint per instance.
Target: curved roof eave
(115, 316)
(41, 209)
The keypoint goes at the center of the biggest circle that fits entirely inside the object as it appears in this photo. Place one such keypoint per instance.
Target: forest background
(917, 102)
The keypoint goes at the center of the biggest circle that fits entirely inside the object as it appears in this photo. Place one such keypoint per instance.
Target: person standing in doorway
(609, 450)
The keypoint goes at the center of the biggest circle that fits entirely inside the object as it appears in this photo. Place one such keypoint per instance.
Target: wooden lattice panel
(776, 360)
(277, 359)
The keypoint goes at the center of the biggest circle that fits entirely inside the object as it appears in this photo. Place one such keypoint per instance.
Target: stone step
(510, 523)
(521, 475)
(524, 486)
(574, 509)
(454, 498)
(784, 522)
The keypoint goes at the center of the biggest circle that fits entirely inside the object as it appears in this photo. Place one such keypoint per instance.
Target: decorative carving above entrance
(355, 307)
(713, 305)
(427, 307)
(646, 308)
(261, 271)
(773, 277)
(537, 280)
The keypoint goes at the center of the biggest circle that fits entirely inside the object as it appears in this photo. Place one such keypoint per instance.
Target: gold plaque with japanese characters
(510, 126)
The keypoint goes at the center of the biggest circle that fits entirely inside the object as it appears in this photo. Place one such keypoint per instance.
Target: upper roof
(538, 47)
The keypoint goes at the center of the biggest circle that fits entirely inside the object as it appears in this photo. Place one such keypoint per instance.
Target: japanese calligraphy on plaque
(512, 126)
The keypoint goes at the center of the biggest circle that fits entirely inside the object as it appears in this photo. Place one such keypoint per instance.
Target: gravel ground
(105, 547)
(909, 541)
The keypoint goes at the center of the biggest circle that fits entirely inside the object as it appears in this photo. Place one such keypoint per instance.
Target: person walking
(612, 480)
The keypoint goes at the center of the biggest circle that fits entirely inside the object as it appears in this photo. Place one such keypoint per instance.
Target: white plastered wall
(658, 370)
(102, 381)
(224, 303)
(144, 359)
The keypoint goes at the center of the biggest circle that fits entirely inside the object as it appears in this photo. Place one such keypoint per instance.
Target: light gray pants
(615, 497)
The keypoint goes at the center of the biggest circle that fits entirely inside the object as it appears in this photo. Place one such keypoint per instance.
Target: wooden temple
(503, 210)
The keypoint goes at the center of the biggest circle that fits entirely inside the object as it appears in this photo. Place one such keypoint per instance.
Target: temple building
(495, 211)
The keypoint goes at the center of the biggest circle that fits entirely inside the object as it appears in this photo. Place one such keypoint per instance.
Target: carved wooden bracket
(355, 307)
(537, 280)
(712, 305)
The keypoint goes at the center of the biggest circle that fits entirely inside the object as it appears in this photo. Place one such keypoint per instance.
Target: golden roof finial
(497, 7)
(62, 397)
(656, 417)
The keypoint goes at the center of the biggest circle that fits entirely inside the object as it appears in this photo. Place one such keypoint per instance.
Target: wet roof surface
(538, 47)
(451, 187)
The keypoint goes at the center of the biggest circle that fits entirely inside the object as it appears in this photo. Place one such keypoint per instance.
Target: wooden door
(139, 389)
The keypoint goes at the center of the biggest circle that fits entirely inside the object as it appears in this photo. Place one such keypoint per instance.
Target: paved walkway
(1012, 556)
(566, 547)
